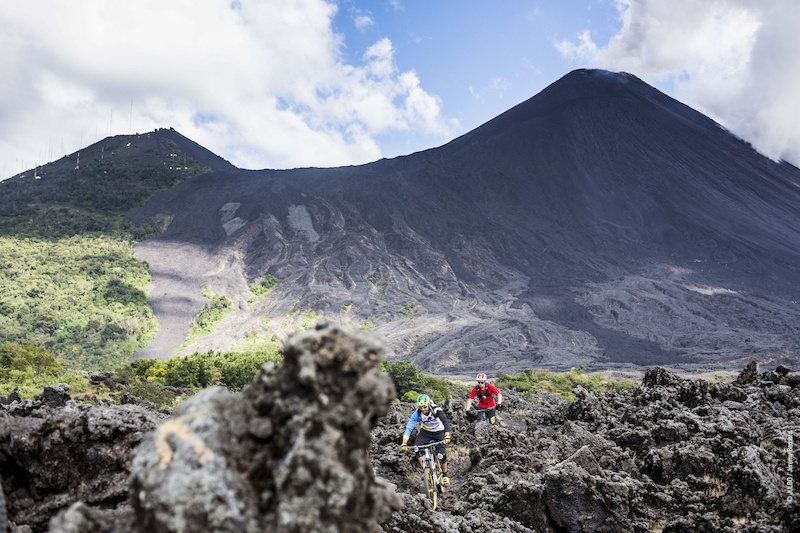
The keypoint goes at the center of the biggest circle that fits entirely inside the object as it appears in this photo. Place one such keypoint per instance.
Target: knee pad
(492, 420)
(442, 457)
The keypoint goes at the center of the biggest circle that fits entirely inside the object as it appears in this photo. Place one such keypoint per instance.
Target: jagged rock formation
(288, 454)
(673, 455)
(54, 451)
(314, 446)
(599, 223)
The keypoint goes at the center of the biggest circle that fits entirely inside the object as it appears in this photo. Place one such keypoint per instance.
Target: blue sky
(294, 83)
(479, 58)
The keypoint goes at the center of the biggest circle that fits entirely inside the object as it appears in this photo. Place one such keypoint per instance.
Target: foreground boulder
(287, 454)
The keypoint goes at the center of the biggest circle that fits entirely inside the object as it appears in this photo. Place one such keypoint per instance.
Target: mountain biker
(435, 427)
(486, 394)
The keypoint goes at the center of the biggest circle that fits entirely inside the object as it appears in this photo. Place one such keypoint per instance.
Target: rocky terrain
(600, 223)
(313, 445)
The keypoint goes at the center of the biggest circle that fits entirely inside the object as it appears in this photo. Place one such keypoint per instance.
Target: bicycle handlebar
(420, 447)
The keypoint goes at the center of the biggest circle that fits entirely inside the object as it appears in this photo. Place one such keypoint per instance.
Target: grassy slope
(68, 278)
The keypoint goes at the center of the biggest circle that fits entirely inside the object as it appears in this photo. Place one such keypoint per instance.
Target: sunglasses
(481, 383)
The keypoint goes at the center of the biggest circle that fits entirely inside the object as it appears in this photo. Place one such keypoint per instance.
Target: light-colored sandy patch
(300, 220)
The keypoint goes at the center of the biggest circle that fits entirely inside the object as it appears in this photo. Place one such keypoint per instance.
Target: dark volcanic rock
(288, 454)
(600, 223)
(313, 445)
(672, 455)
(3, 513)
(52, 456)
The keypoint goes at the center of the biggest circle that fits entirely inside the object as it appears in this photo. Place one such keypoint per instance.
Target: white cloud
(496, 87)
(585, 47)
(499, 85)
(262, 83)
(735, 60)
(363, 22)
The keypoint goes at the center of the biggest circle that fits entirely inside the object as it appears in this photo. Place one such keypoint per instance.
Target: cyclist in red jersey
(488, 396)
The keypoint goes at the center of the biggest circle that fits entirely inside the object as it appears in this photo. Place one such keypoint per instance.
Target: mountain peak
(593, 98)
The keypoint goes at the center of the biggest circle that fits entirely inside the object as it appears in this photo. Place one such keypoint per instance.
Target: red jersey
(485, 396)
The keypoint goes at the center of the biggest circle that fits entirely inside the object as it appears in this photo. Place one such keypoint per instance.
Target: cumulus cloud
(735, 60)
(363, 22)
(262, 83)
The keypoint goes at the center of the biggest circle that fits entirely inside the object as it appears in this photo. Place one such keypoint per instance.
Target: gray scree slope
(600, 223)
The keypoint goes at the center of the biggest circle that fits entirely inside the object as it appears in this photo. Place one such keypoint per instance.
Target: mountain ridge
(599, 223)
(526, 239)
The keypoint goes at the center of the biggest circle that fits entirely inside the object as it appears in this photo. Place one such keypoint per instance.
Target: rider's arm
(443, 417)
(496, 393)
(411, 423)
(472, 394)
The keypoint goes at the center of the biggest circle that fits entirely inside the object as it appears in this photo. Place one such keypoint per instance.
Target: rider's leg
(423, 437)
(442, 451)
(490, 414)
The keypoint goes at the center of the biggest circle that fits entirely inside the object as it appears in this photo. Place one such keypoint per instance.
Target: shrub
(213, 311)
(27, 357)
(28, 367)
(560, 384)
(233, 370)
(410, 397)
(408, 378)
(150, 392)
(263, 286)
(405, 376)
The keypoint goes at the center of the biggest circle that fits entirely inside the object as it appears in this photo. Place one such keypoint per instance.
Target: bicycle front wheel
(430, 485)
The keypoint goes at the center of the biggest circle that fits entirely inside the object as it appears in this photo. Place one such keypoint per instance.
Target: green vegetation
(68, 279)
(28, 368)
(308, 319)
(407, 308)
(559, 383)
(409, 382)
(253, 343)
(262, 287)
(80, 297)
(233, 370)
(367, 325)
(217, 307)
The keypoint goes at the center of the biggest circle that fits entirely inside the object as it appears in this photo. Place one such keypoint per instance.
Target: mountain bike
(481, 416)
(432, 471)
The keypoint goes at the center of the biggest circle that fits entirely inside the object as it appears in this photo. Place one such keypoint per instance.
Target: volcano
(600, 223)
